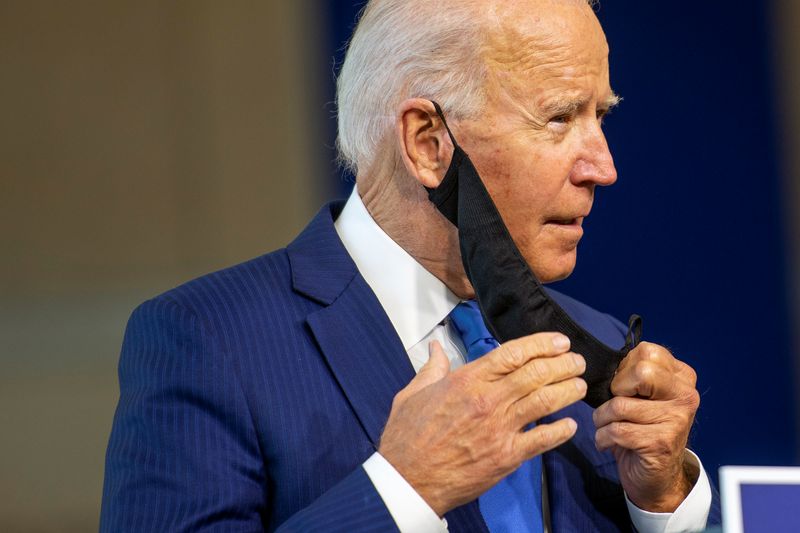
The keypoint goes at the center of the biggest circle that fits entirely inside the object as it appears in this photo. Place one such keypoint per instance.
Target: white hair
(404, 49)
(408, 49)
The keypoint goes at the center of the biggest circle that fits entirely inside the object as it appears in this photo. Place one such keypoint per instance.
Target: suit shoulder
(234, 290)
(603, 326)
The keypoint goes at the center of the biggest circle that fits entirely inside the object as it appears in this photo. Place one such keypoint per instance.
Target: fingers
(435, 369)
(626, 435)
(646, 351)
(654, 405)
(650, 371)
(438, 365)
(636, 410)
(516, 353)
(542, 371)
(644, 379)
(544, 437)
(546, 400)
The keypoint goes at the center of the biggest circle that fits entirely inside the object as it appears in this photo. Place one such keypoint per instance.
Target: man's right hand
(453, 435)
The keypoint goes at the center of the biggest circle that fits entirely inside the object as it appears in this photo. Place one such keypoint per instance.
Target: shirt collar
(413, 298)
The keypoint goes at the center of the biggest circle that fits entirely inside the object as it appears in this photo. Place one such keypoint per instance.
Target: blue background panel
(770, 508)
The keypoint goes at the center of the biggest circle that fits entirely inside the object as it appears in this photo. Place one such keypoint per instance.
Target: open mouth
(564, 222)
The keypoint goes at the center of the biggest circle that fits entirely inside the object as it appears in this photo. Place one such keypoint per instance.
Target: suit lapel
(355, 336)
(364, 353)
(353, 332)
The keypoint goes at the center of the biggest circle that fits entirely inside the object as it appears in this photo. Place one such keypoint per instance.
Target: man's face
(538, 145)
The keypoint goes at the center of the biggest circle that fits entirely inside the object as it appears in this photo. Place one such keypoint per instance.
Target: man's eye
(561, 119)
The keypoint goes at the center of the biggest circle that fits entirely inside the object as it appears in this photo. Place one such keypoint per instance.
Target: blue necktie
(514, 505)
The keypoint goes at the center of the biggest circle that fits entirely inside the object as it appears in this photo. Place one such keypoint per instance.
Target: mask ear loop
(634, 336)
(445, 195)
(444, 121)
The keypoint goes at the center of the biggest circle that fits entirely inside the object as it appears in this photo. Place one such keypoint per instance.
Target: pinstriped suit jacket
(250, 397)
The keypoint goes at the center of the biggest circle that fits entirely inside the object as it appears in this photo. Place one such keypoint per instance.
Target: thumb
(437, 367)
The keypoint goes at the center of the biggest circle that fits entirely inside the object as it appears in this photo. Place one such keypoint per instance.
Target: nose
(595, 164)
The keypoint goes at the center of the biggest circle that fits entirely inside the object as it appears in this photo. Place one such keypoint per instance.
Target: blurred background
(146, 143)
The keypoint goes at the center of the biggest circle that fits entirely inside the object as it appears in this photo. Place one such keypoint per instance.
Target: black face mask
(512, 301)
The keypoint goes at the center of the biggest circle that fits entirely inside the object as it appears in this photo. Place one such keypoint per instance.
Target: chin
(549, 269)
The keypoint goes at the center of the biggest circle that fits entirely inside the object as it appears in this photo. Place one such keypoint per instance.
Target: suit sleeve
(183, 453)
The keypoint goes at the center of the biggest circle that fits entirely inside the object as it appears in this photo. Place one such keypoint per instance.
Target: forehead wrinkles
(525, 35)
(542, 42)
(509, 50)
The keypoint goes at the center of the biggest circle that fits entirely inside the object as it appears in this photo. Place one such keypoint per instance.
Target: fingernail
(580, 385)
(561, 342)
(433, 345)
(580, 362)
(573, 426)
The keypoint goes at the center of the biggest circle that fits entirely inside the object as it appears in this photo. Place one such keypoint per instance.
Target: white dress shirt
(418, 304)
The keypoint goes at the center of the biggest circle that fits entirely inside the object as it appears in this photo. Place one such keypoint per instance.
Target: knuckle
(542, 344)
(461, 380)
(644, 371)
(518, 451)
(576, 364)
(480, 406)
(512, 354)
(548, 399)
(552, 434)
(648, 351)
(652, 352)
(539, 371)
(497, 462)
(510, 452)
(693, 400)
(691, 373)
(564, 432)
(618, 407)
(617, 430)
(546, 436)
(520, 411)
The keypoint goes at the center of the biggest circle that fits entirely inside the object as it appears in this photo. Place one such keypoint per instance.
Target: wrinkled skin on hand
(646, 426)
(453, 435)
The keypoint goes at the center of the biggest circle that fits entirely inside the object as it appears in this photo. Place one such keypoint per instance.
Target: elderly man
(280, 393)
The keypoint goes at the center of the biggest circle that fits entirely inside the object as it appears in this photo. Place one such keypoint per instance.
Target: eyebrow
(567, 106)
(611, 102)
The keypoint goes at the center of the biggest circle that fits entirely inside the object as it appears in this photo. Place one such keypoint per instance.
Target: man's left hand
(646, 426)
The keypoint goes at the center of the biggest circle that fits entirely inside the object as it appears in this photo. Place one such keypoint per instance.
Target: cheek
(497, 174)
(522, 199)
(519, 208)
(527, 188)
(514, 187)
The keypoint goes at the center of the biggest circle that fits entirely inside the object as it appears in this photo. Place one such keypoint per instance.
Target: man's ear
(423, 141)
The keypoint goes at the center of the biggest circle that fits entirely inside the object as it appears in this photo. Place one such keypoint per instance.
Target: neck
(400, 206)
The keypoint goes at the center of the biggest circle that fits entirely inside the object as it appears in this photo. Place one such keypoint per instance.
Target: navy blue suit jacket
(250, 397)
